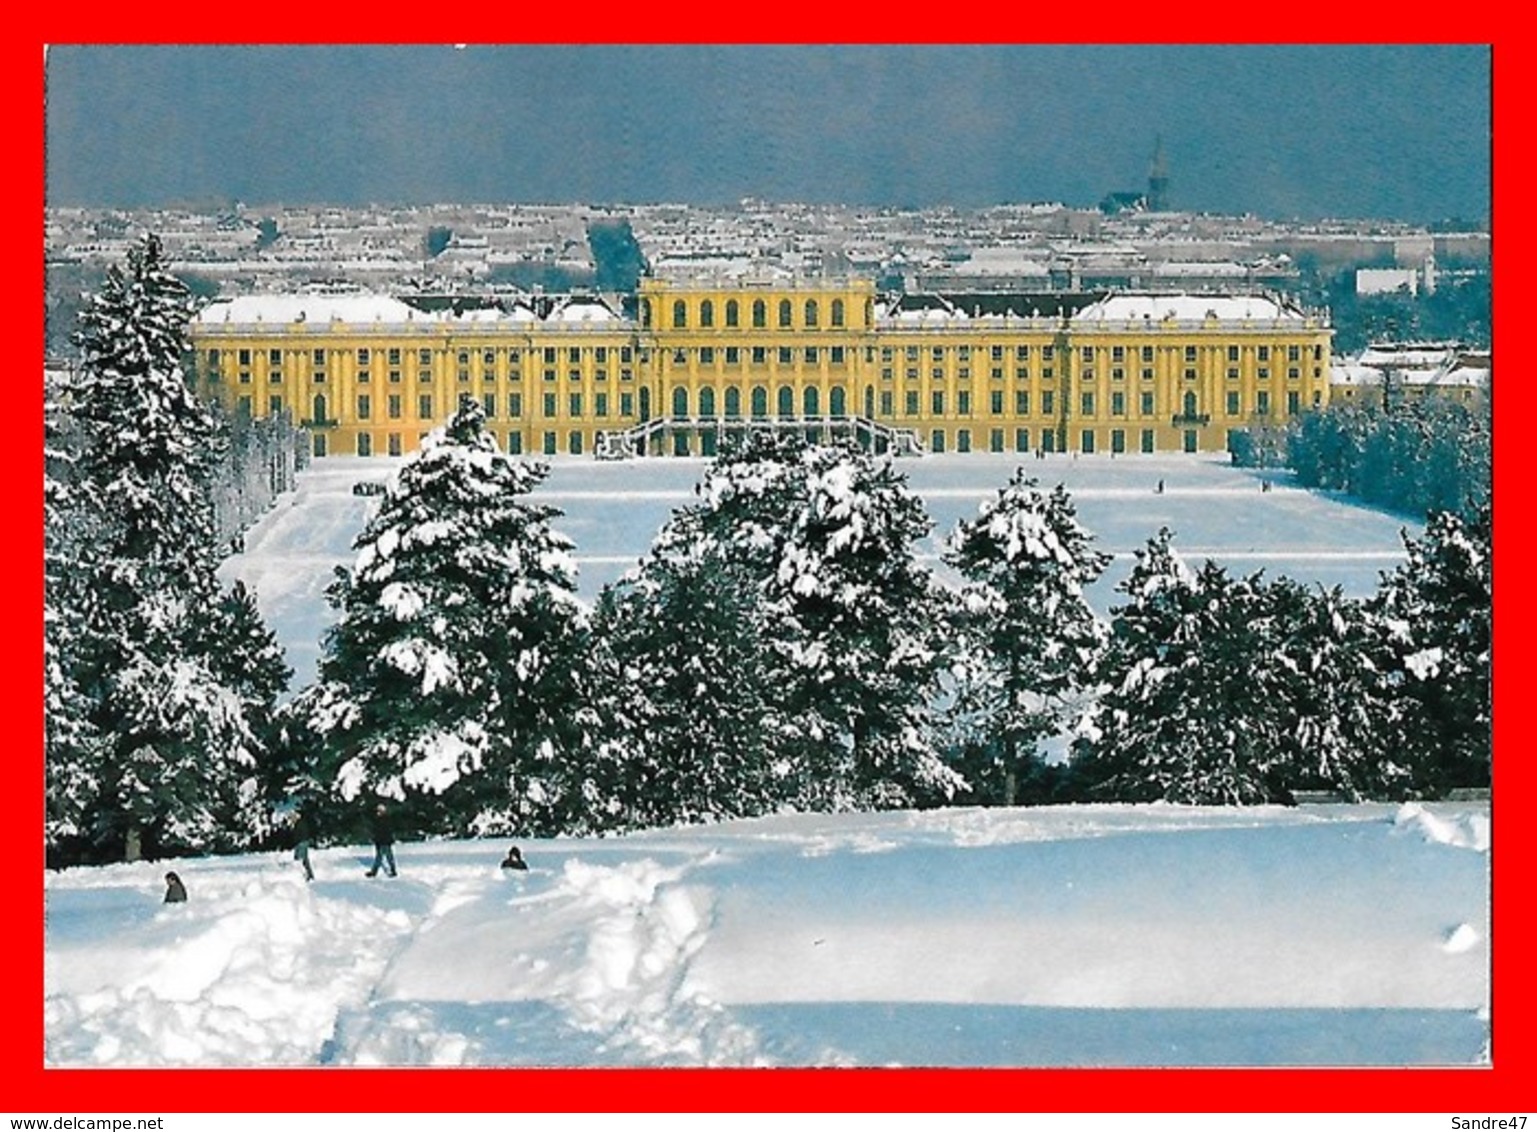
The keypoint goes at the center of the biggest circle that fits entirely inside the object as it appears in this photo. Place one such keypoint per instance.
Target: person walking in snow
(175, 891)
(304, 838)
(384, 842)
(514, 860)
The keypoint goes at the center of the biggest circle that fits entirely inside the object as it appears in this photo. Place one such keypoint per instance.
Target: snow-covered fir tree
(685, 676)
(451, 680)
(1329, 683)
(848, 615)
(1437, 612)
(175, 760)
(1026, 640)
(70, 743)
(247, 658)
(1184, 715)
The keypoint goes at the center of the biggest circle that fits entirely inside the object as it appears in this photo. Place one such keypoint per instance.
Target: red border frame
(28, 1086)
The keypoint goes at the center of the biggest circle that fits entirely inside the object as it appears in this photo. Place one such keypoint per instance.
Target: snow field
(1314, 935)
(613, 511)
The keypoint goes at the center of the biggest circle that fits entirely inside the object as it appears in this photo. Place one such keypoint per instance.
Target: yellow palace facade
(681, 365)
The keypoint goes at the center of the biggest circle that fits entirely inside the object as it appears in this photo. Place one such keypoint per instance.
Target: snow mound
(1464, 937)
(1459, 830)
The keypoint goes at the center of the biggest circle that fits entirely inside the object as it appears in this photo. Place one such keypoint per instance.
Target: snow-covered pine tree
(245, 655)
(176, 745)
(686, 681)
(848, 615)
(451, 680)
(1026, 641)
(1327, 674)
(1184, 715)
(1437, 610)
(71, 748)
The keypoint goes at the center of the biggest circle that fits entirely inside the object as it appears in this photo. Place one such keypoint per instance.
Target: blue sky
(1288, 131)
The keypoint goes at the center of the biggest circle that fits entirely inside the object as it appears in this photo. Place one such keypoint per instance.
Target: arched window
(759, 402)
(320, 407)
(680, 403)
(707, 313)
(679, 314)
(784, 312)
(645, 312)
(786, 401)
(707, 402)
(811, 312)
(1189, 404)
(733, 402)
(645, 404)
(731, 312)
(837, 312)
(759, 313)
(837, 402)
(810, 401)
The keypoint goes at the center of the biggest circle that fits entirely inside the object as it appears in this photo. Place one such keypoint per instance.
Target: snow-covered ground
(1067, 936)
(613, 510)
(1114, 936)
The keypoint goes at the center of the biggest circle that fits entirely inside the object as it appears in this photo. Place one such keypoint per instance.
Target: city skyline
(1396, 132)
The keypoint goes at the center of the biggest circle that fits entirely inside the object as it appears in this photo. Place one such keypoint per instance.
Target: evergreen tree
(451, 679)
(1027, 639)
(1329, 677)
(688, 689)
(71, 747)
(1186, 715)
(848, 616)
(177, 754)
(245, 656)
(1437, 613)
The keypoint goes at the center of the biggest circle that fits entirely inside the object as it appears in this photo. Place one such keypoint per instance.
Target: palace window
(837, 312)
(732, 312)
(706, 313)
(488, 405)
(679, 314)
(785, 312)
(424, 407)
(365, 406)
(811, 312)
(759, 314)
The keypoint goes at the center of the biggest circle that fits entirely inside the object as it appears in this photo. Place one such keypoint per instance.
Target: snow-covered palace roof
(247, 309)
(1188, 309)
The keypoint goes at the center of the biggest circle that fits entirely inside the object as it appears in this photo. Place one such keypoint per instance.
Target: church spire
(1158, 180)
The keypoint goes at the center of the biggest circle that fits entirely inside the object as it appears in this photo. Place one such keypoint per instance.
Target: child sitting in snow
(514, 860)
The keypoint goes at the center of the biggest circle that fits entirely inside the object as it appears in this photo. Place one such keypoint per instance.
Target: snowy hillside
(1094, 935)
